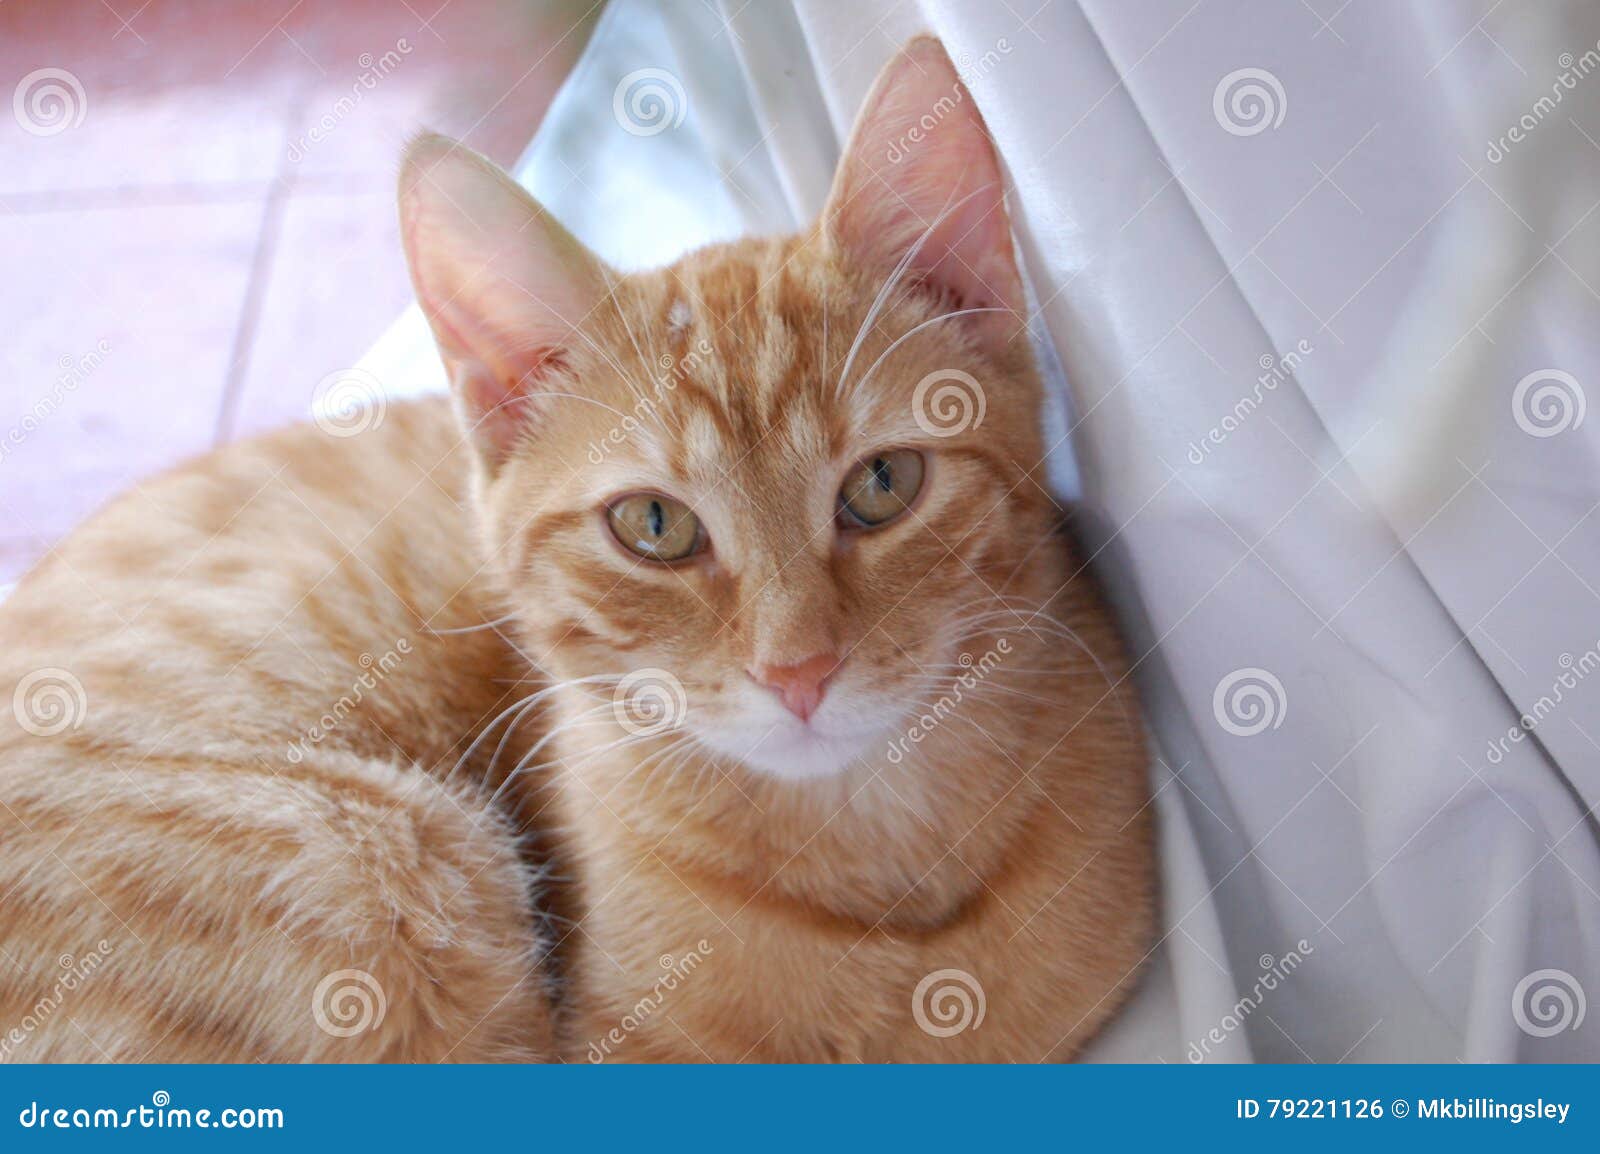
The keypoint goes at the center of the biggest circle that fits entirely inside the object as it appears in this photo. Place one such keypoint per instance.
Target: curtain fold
(1236, 218)
(1317, 295)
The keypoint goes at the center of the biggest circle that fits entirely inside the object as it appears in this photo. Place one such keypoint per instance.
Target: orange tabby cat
(801, 694)
(837, 748)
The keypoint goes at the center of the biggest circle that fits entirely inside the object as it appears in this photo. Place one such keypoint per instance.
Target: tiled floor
(185, 262)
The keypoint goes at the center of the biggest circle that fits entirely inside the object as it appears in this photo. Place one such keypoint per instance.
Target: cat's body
(199, 822)
(999, 817)
(832, 753)
(730, 919)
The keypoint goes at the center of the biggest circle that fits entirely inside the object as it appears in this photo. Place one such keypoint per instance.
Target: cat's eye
(880, 487)
(656, 527)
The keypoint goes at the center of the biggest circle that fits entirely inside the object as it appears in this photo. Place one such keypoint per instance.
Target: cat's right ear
(502, 284)
(920, 187)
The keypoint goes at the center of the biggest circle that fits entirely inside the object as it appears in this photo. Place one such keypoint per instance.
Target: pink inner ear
(919, 157)
(501, 396)
(499, 378)
(501, 282)
(959, 261)
(496, 374)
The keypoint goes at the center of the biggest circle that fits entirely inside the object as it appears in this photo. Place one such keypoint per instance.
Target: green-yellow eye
(881, 486)
(656, 527)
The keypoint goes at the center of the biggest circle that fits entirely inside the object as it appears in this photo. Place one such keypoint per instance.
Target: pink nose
(799, 686)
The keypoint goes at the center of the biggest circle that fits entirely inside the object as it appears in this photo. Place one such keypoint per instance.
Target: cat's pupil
(658, 519)
(880, 474)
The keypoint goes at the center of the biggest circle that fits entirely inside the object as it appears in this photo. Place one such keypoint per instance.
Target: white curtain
(1319, 297)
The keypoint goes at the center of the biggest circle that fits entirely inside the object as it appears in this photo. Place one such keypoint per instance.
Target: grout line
(277, 202)
(184, 193)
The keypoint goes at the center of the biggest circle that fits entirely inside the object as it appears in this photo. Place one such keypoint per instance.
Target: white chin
(791, 751)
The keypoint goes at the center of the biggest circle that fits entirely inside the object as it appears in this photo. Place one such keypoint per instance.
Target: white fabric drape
(1395, 547)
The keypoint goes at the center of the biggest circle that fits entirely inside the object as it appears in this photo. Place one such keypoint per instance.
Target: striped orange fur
(386, 747)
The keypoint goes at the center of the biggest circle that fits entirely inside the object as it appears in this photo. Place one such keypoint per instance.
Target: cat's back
(224, 777)
(240, 595)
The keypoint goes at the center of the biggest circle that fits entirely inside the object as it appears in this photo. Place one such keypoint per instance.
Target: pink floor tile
(112, 107)
(118, 344)
(143, 142)
(482, 72)
(338, 281)
(168, 220)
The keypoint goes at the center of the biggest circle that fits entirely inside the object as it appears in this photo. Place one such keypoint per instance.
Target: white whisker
(914, 330)
(495, 624)
(892, 282)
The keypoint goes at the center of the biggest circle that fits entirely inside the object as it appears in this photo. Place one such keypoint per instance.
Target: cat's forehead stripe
(748, 311)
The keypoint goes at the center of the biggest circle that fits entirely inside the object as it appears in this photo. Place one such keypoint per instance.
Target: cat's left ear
(502, 284)
(920, 173)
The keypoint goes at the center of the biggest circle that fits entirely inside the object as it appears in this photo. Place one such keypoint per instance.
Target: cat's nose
(799, 686)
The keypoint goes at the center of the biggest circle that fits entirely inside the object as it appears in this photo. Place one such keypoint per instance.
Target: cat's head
(771, 490)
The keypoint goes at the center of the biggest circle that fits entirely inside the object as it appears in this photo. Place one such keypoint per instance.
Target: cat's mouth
(798, 750)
